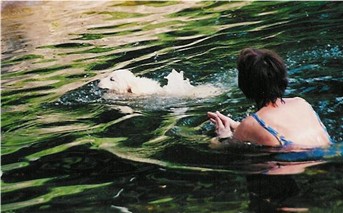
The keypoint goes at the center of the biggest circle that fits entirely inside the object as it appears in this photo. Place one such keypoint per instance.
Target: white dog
(124, 82)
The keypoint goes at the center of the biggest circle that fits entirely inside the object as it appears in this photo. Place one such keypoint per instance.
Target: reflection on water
(65, 145)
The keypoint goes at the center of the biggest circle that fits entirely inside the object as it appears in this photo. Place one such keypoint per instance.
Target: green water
(66, 148)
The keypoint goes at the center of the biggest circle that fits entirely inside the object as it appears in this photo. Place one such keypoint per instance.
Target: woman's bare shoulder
(296, 103)
(248, 121)
(250, 130)
(297, 100)
(246, 131)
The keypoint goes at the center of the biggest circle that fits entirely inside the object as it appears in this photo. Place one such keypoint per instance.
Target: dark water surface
(65, 148)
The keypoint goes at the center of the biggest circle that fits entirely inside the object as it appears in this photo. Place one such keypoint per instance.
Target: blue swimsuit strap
(282, 140)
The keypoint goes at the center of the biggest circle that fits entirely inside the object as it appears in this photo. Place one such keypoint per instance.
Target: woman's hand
(225, 126)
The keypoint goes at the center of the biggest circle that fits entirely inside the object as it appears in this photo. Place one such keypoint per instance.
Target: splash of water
(179, 86)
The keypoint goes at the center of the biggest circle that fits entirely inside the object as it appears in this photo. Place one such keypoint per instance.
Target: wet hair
(262, 75)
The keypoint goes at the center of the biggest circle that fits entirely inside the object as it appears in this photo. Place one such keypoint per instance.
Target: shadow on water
(67, 148)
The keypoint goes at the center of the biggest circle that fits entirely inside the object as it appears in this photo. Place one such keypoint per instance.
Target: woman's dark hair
(262, 75)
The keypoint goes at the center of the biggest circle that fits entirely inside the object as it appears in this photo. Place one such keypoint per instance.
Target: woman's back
(293, 121)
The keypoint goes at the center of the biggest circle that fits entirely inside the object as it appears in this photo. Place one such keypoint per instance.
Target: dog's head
(119, 81)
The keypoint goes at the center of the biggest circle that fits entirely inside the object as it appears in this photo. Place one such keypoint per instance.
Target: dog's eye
(112, 79)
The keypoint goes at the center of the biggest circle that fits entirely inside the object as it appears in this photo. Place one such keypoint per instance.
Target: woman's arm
(229, 132)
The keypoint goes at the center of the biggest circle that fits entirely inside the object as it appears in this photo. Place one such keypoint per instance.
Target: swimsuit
(282, 140)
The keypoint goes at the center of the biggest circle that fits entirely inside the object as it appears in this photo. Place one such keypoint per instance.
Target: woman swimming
(262, 77)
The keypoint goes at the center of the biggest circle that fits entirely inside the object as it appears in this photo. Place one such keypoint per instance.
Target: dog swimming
(125, 82)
